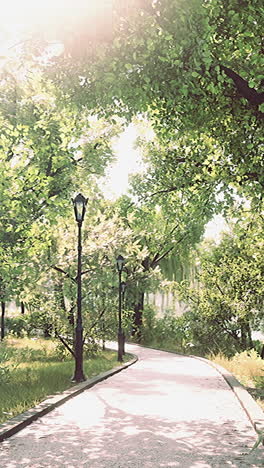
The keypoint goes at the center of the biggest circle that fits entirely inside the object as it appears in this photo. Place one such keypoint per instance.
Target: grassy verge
(32, 369)
(248, 368)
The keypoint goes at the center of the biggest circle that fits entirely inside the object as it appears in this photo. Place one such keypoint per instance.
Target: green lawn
(32, 369)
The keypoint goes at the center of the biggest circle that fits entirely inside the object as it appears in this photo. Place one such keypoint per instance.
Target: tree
(194, 68)
(227, 300)
(53, 300)
(45, 149)
(166, 227)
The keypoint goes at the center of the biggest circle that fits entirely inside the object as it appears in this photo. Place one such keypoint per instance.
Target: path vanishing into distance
(166, 410)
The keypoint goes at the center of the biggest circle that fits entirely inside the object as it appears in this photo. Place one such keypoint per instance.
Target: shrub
(17, 326)
(38, 321)
(259, 381)
(167, 332)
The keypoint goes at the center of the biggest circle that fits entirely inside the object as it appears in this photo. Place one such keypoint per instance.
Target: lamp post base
(78, 378)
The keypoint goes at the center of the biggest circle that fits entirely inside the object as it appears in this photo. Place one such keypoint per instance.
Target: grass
(248, 368)
(32, 369)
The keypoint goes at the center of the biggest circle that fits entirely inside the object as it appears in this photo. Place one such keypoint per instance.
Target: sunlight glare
(129, 161)
(49, 15)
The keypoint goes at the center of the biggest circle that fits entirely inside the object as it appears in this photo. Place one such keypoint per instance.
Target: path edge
(16, 424)
(253, 411)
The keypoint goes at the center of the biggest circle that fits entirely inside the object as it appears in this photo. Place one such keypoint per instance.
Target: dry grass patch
(248, 368)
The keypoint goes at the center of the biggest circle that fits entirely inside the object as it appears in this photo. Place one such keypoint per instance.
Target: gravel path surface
(164, 411)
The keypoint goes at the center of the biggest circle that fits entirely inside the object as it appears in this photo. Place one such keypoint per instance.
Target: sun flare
(49, 16)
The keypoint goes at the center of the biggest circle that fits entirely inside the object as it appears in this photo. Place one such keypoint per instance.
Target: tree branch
(64, 343)
(253, 96)
(94, 324)
(64, 272)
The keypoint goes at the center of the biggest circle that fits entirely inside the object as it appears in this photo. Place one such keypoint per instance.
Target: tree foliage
(227, 302)
(194, 69)
(45, 149)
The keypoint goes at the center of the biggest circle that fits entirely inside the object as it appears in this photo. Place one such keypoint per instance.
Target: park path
(164, 411)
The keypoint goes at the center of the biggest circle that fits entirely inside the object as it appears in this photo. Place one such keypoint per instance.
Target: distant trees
(227, 302)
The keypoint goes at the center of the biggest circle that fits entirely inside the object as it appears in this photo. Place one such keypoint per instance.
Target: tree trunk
(243, 336)
(3, 306)
(70, 316)
(22, 307)
(249, 336)
(47, 330)
(246, 338)
(138, 315)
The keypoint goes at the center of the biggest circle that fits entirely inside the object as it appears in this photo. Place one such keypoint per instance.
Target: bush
(61, 352)
(258, 346)
(190, 333)
(168, 332)
(32, 324)
(17, 326)
(247, 366)
(208, 337)
(38, 322)
(148, 325)
(259, 381)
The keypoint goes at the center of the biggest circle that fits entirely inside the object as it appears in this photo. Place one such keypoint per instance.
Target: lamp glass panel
(79, 210)
(120, 262)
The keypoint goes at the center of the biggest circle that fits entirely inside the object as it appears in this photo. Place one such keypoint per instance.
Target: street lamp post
(79, 203)
(120, 264)
(123, 289)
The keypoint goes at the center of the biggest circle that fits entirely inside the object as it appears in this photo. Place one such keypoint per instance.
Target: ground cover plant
(32, 369)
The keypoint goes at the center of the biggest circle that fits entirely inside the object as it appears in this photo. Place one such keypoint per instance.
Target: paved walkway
(164, 411)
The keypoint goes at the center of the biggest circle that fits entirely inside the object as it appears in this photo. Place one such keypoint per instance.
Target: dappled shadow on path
(160, 413)
(118, 439)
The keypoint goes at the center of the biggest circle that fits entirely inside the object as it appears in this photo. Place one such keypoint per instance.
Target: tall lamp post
(120, 265)
(123, 289)
(79, 203)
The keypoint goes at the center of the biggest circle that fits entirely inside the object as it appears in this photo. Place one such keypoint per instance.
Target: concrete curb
(252, 409)
(254, 412)
(14, 425)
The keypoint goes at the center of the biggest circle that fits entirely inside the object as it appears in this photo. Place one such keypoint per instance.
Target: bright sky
(34, 12)
(128, 162)
(215, 227)
(52, 18)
